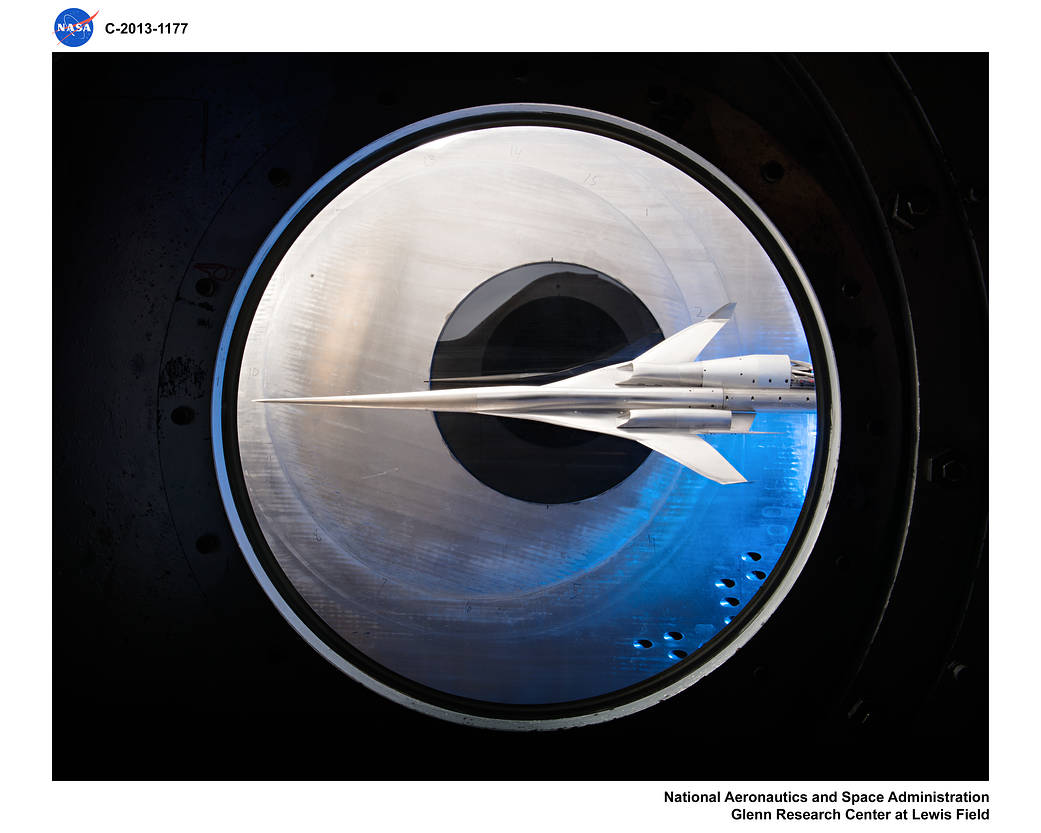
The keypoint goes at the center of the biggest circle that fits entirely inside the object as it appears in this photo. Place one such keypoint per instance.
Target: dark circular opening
(772, 171)
(182, 415)
(279, 177)
(207, 287)
(543, 335)
(534, 325)
(207, 543)
(851, 288)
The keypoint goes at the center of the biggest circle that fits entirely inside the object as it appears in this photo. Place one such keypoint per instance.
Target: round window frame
(402, 690)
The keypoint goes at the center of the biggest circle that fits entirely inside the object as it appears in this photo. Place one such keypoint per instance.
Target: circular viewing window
(614, 432)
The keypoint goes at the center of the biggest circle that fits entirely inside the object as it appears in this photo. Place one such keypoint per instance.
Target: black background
(168, 659)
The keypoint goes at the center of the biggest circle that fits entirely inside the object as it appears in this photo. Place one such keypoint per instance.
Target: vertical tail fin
(685, 345)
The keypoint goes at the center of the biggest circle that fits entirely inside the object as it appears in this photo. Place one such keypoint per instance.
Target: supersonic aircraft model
(663, 398)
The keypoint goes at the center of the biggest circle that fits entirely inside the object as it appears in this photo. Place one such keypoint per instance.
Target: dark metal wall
(170, 170)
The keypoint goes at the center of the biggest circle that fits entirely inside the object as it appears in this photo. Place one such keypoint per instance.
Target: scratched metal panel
(396, 546)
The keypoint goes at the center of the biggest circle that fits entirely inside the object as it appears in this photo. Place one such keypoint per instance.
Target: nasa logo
(73, 27)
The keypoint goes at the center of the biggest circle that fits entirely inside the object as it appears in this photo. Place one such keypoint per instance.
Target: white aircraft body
(664, 398)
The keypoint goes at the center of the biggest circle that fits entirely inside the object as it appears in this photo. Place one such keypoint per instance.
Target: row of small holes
(730, 601)
(675, 653)
(673, 636)
(753, 397)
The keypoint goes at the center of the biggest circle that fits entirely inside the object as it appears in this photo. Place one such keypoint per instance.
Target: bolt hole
(730, 600)
(772, 171)
(751, 556)
(725, 582)
(182, 415)
(674, 635)
(207, 287)
(279, 177)
(207, 543)
(642, 643)
(757, 574)
(851, 288)
(677, 653)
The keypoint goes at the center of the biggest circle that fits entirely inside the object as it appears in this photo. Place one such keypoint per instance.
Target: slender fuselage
(660, 398)
(744, 384)
(546, 398)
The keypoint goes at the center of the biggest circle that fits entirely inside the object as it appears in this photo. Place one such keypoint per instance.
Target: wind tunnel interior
(168, 658)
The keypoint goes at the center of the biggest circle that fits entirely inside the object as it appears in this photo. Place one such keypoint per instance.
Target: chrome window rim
(658, 687)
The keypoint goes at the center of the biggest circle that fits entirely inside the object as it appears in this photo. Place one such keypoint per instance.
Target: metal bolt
(946, 468)
(953, 471)
(959, 672)
(911, 207)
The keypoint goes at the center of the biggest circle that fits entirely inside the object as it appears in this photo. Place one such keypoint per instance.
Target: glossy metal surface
(397, 547)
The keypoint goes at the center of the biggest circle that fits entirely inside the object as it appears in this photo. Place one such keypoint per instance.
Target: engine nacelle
(737, 372)
(699, 420)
